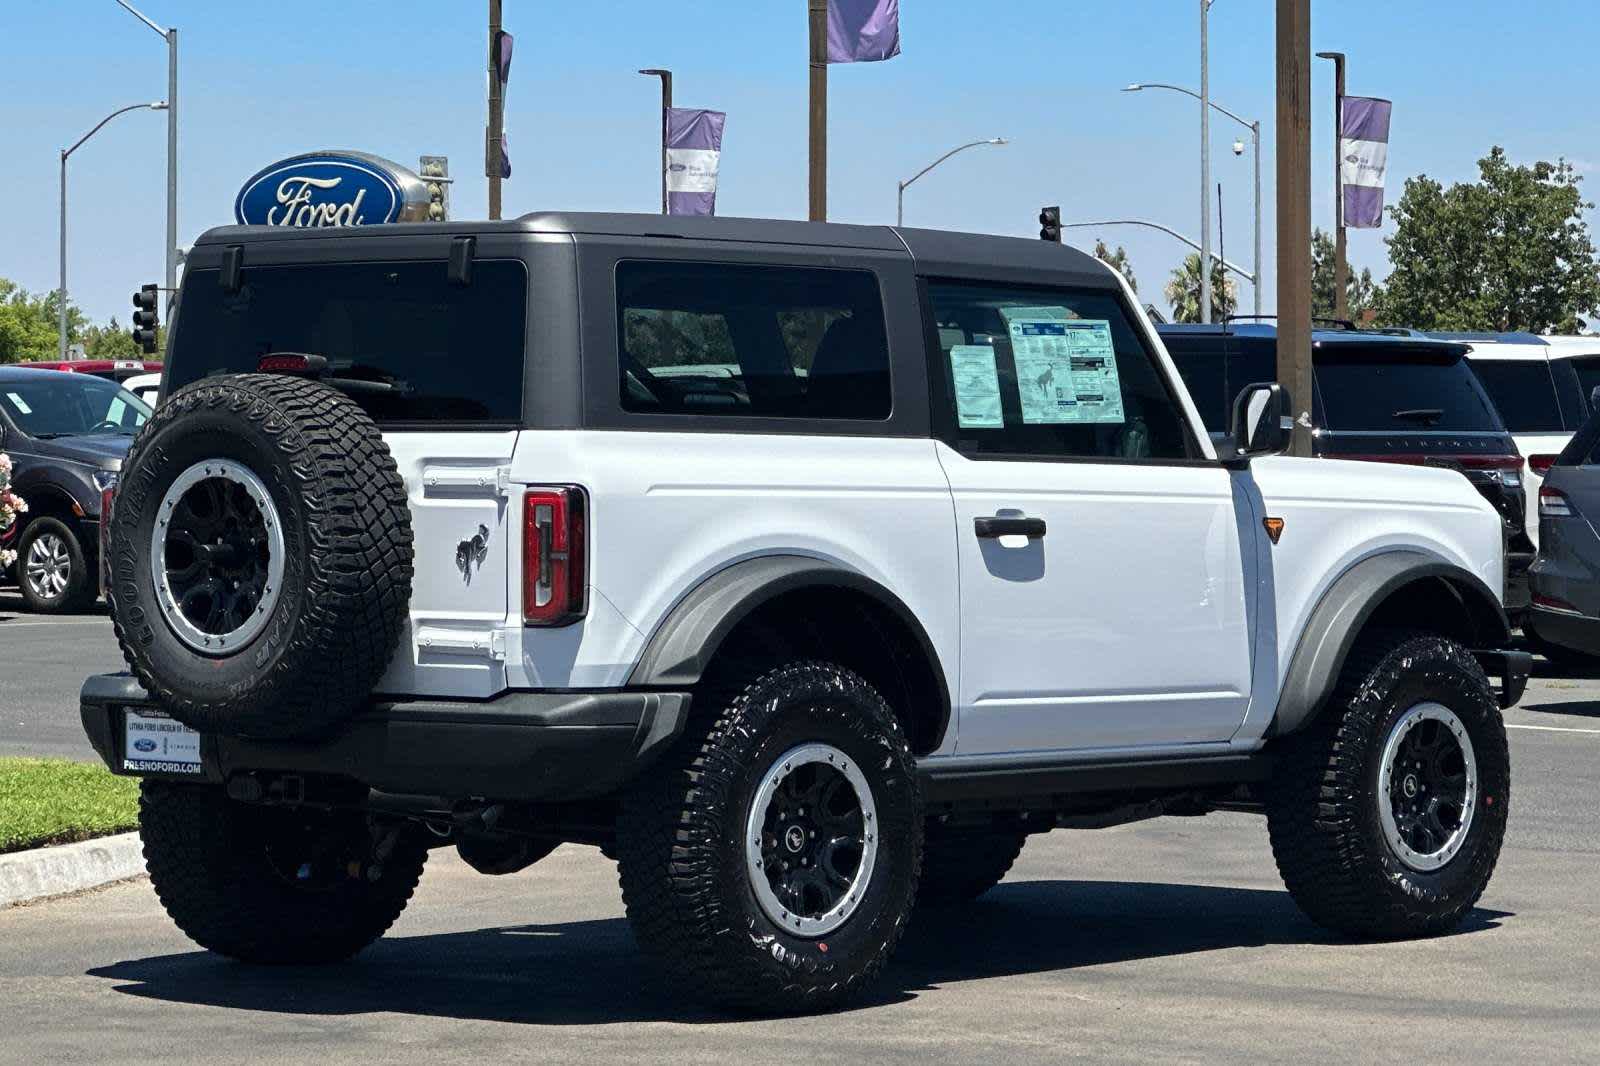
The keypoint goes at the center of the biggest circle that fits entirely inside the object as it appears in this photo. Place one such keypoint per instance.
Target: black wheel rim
(1428, 786)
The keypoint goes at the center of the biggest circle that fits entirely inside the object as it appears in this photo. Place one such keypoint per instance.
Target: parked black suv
(67, 435)
(1379, 397)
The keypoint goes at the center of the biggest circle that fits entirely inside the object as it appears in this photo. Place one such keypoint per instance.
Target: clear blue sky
(264, 80)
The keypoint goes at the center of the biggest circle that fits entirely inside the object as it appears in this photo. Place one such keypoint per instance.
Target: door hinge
(497, 478)
(476, 643)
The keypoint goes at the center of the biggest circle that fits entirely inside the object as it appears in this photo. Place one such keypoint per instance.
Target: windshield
(406, 343)
(52, 404)
(1394, 393)
(1524, 393)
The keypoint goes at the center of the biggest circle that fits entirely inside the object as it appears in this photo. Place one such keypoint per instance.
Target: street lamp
(159, 105)
(1239, 270)
(900, 197)
(1255, 143)
(666, 107)
(170, 35)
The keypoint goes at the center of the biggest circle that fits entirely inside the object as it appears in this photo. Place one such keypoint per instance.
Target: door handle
(989, 528)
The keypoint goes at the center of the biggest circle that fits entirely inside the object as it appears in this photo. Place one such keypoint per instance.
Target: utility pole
(666, 106)
(1341, 269)
(1205, 169)
(817, 16)
(497, 115)
(170, 35)
(1294, 214)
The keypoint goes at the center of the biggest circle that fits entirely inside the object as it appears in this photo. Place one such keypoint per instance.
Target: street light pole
(1341, 269)
(666, 106)
(61, 296)
(1205, 169)
(1255, 143)
(900, 201)
(170, 35)
(1236, 268)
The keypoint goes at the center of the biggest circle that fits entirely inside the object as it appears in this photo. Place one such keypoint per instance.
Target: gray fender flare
(1347, 606)
(683, 645)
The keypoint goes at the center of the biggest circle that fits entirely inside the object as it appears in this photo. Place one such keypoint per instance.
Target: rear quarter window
(428, 351)
(1523, 392)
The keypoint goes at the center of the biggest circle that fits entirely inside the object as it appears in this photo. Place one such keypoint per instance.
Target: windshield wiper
(1427, 415)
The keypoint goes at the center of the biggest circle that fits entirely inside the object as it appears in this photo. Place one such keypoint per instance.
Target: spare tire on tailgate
(260, 556)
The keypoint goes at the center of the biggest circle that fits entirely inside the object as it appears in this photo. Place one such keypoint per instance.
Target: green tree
(28, 323)
(1361, 292)
(1510, 251)
(1118, 261)
(111, 341)
(1183, 291)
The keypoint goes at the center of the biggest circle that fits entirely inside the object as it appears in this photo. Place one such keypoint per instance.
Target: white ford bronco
(806, 570)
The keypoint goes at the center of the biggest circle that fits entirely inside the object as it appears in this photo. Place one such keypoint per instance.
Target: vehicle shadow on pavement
(591, 972)
(14, 607)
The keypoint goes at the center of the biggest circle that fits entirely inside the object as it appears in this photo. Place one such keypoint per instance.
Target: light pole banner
(863, 31)
(694, 154)
(1363, 159)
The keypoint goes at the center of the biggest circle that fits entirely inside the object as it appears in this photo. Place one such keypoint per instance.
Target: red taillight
(292, 363)
(1553, 603)
(1541, 464)
(1553, 504)
(554, 570)
(106, 496)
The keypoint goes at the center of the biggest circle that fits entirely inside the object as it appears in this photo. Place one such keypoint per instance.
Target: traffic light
(146, 320)
(1050, 224)
(436, 172)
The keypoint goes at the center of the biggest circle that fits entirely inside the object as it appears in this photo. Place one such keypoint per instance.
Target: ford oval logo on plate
(323, 189)
(144, 744)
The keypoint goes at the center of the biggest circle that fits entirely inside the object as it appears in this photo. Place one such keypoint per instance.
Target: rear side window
(1523, 392)
(719, 339)
(1398, 393)
(422, 349)
(1050, 372)
(1203, 365)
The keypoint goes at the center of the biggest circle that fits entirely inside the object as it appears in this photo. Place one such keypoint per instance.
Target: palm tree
(1183, 291)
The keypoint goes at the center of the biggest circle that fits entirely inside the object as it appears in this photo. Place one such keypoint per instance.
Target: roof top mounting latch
(462, 249)
(232, 265)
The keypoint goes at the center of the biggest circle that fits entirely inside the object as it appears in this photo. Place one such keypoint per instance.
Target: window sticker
(1066, 367)
(977, 384)
(19, 403)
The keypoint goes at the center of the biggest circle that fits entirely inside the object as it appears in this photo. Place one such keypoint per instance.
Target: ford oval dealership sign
(332, 189)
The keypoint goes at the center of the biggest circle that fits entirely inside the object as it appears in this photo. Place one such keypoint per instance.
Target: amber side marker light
(1274, 527)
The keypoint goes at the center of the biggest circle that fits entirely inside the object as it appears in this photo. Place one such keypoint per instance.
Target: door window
(708, 339)
(1058, 373)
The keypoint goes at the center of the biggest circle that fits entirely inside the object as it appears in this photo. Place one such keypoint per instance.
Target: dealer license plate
(152, 743)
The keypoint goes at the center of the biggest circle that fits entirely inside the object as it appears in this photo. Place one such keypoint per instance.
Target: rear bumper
(1575, 632)
(548, 746)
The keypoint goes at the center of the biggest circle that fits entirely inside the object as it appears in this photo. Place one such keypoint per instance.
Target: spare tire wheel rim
(811, 840)
(216, 556)
(1427, 787)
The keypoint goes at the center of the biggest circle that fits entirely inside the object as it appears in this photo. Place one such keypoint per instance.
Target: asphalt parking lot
(1169, 941)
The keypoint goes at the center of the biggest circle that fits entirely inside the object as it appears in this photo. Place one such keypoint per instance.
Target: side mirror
(1261, 421)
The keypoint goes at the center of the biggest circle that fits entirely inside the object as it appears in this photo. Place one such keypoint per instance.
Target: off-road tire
(214, 872)
(1322, 804)
(961, 863)
(681, 842)
(342, 601)
(80, 591)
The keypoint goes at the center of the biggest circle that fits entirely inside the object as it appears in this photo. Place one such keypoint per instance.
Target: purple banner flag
(863, 31)
(694, 154)
(1363, 159)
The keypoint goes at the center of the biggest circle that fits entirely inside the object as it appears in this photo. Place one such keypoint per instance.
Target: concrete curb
(26, 876)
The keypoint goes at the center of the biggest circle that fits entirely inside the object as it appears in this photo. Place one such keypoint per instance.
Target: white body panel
(1125, 625)
(455, 643)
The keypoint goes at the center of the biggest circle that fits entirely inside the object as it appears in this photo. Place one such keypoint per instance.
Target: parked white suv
(804, 569)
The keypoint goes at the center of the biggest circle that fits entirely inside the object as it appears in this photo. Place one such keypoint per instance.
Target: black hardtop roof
(938, 252)
(1329, 340)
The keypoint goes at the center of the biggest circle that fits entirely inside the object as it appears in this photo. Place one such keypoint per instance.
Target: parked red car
(115, 369)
